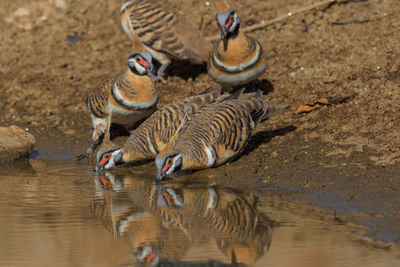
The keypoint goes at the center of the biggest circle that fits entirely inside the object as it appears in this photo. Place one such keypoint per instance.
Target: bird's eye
(169, 161)
(137, 59)
(107, 156)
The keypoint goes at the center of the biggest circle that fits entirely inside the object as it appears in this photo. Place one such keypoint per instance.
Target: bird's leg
(161, 69)
(160, 72)
(97, 137)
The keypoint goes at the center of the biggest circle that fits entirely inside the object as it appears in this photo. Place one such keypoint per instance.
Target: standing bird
(154, 133)
(164, 31)
(236, 59)
(129, 97)
(213, 136)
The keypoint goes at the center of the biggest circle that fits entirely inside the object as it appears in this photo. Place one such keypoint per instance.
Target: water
(59, 213)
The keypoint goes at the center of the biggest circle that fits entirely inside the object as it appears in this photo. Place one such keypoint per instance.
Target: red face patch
(230, 21)
(167, 164)
(143, 63)
(165, 168)
(103, 161)
(151, 256)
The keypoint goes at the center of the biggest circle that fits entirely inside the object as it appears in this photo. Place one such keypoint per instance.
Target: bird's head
(167, 164)
(228, 23)
(141, 63)
(107, 159)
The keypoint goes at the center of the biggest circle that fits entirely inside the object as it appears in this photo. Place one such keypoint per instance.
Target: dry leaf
(307, 108)
(330, 100)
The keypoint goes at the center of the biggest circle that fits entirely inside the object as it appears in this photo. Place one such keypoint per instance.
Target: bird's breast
(241, 61)
(134, 94)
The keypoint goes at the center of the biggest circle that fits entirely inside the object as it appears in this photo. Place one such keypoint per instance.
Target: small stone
(73, 39)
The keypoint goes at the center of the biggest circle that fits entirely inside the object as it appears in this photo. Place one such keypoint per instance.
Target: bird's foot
(157, 78)
(160, 73)
(93, 145)
(81, 156)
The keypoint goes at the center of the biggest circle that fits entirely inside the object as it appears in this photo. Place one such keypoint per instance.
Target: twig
(357, 19)
(325, 4)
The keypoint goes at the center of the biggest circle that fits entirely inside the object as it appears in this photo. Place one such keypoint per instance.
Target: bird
(236, 59)
(128, 98)
(165, 31)
(213, 136)
(153, 134)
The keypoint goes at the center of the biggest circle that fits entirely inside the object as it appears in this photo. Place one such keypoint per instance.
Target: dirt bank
(53, 52)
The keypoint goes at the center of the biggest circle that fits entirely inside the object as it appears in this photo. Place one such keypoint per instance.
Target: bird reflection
(162, 222)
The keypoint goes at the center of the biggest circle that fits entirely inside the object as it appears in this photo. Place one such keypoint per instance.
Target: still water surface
(58, 213)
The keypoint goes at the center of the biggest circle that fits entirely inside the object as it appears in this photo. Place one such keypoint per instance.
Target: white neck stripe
(239, 78)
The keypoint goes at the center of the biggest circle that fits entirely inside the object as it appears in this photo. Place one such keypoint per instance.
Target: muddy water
(59, 213)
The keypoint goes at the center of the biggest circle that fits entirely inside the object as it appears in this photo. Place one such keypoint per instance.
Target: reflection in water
(45, 220)
(163, 222)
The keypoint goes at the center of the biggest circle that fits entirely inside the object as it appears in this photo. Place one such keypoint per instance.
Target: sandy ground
(344, 156)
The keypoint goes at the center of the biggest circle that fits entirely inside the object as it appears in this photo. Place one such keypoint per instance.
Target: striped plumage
(165, 31)
(213, 136)
(126, 99)
(236, 59)
(153, 134)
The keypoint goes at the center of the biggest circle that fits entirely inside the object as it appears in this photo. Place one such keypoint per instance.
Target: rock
(15, 143)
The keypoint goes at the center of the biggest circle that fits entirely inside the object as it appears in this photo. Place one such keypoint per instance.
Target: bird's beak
(225, 44)
(160, 175)
(98, 167)
(223, 34)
